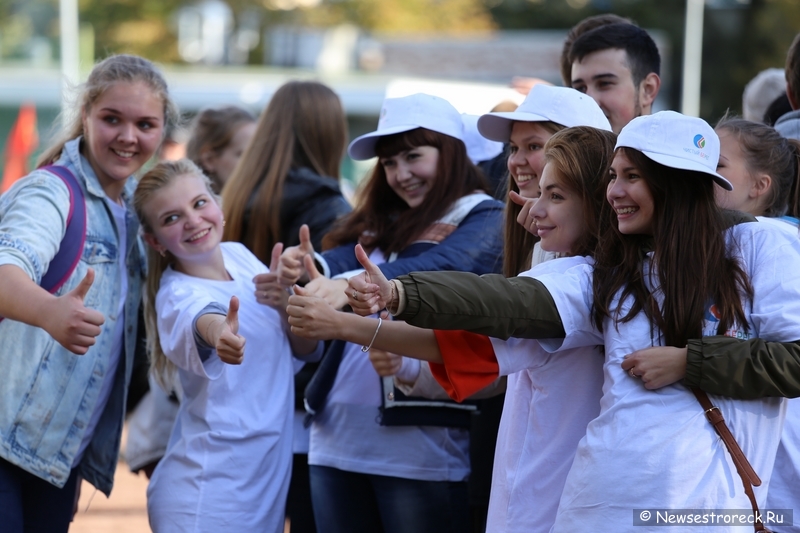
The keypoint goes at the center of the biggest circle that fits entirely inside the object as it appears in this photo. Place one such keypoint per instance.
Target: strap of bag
(743, 466)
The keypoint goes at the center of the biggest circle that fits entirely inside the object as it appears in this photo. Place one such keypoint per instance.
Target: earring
(163, 253)
(223, 222)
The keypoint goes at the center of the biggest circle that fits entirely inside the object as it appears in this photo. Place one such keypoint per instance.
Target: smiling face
(122, 130)
(606, 77)
(558, 214)
(526, 160)
(185, 221)
(411, 173)
(630, 196)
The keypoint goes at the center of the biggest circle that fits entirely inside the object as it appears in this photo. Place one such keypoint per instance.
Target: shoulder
(765, 241)
(560, 265)
(40, 186)
(238, 255)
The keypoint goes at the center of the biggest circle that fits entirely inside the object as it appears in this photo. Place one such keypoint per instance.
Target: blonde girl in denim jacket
(67, 357)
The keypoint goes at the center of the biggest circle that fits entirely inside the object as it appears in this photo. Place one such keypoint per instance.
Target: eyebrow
(605, 75)
(118, 112)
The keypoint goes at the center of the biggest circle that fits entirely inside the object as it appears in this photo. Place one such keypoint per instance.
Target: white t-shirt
(784, 487)
(550, 398)
(655, 449)
(347, 435)
(229, 457)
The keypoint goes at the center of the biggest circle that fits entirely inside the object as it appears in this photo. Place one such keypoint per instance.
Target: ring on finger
(355, 295)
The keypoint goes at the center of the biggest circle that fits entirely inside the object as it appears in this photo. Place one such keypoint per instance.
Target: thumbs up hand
(228, 343)
(524, 217)
(290, 269)
(73, 325)
(269, 290)
(368, 292)
(330, 290)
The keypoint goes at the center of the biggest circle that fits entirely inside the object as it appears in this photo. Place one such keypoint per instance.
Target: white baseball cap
(676, 141)
(406, 114)
(545, 103)
(479, 148)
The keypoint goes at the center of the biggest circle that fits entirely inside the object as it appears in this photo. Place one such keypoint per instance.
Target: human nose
(403, 171)
(515, 159)
(615, 190)
(126, 133)
(538, 209)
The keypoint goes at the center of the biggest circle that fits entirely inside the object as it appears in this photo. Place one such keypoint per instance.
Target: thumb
(515, 197)
(275, 260)
(233, 315)
(83, 287)
(299, 291)
(305, 239)
(311, 268)
(368, 265)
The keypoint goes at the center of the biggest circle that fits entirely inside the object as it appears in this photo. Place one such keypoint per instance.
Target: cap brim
(685, 164)
(363, 147)
(497, 126)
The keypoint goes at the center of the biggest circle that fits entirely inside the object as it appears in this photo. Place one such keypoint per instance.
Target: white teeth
(199, 235)
(626, 210)
(413, 187)
(524, 177)
(123, 154)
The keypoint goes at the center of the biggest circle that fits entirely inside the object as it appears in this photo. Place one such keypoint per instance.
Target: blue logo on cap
(699, 141)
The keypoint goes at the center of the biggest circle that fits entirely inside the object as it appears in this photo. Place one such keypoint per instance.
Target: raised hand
(368, 292)
(657, 366)
(229, 344)
(524, 217)
(385, 363)
(291, 269)
(73, 325)
(269, 289)
(312, 317)
(331, 290)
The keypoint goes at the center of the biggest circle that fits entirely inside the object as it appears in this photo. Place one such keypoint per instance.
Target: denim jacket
(48, 393)
(475, 246)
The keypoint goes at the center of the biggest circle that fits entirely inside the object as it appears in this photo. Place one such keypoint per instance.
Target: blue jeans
(348, 502)
(29, 504)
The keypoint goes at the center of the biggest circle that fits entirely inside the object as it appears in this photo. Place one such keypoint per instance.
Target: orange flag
(22, 141)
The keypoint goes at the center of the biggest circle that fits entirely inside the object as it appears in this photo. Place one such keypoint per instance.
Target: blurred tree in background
(741, 37)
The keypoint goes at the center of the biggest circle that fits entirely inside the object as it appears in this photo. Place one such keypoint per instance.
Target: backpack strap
(71, 248)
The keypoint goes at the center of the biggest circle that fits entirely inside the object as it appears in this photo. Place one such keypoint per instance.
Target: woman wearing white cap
(670, 267)
(377, 465)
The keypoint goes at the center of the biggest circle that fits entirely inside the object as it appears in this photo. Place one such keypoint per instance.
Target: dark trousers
(29, 504)
(298, 503)
(348, 502)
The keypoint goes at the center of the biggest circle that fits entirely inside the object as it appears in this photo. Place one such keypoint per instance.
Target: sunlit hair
(156, 179)
(580, 158)
(303, 126)
(689, 255)
(105, 74)
(212, 131)
(766, 151)
(382, 219)
(517, 241)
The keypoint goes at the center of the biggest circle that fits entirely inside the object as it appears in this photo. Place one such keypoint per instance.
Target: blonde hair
(160, 176)
(106, 73)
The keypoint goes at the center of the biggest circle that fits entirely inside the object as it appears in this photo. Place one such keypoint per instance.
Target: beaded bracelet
(367, 348)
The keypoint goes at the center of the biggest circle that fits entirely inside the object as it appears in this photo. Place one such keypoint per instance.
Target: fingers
(232, 319)
(305, 239)
(368, 265)
(311, 268)
(230, 349)
(515, 197)
(275, 260)
(83, 287)
(300, 291)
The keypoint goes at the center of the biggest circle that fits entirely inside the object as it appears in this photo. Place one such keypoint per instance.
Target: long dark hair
(691, 262)
(303, 126)
(382, 219)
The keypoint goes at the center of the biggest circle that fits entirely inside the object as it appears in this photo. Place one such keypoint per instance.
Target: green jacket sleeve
(490, 305)
(744, 369)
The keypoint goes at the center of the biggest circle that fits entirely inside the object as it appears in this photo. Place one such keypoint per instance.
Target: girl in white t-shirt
(228, 461)
(670, 267)
(535, 446)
